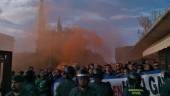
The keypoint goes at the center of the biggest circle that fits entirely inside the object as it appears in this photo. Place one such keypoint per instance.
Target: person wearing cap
(16, 86)
(83, 88)
(67, 83)
(102, 88)
(134, 88)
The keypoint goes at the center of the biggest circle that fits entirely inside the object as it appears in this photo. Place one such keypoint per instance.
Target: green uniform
(103, 89)
(65, 87)
(165, 88)
(29, 90)
(12, 94)
(42, 86)
(89, 91)
(131, 91)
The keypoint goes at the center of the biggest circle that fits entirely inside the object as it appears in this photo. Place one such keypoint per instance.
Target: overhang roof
(158, 30)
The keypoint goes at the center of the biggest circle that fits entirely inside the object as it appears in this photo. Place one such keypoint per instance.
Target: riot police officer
(42, 84)
(165, 87)
(83, 88)
(102, 88)
(134, 88)
(67, 83)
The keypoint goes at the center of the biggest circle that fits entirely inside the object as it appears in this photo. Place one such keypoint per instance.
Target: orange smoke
(72, 45)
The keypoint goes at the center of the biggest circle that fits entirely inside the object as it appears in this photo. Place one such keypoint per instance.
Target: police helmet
(18, 78)
(98, 73)
(69, 71)
(82, 73)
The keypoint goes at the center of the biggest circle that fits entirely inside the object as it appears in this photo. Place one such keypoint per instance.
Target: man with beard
(16, 86)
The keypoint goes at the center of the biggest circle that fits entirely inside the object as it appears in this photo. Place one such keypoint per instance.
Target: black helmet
(18, 78)
(82, 73)
(69, 71)
(98, 73)
(134, 79)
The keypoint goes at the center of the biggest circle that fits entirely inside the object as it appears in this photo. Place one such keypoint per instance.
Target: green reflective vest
(131, 91)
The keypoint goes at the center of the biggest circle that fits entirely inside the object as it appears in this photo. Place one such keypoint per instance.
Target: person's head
(130, 67)
(108, 69)
(91, 66)
(97, 66)
(148, 67)
(42, 74)
(129, 62)
(69, 72)
(16, 83)
(30, 68)
(166, 74)
(57, 72)
(168, 65)
(77, 67)
(134, 79)
(156, 65)
(82, 78)
(13, 73)
(90, 71)
(117, 66)
(139, 68)
(29, 76)
(21, 73)
(125, 71)
(98, 75)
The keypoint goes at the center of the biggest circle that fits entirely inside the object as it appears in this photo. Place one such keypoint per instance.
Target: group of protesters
(122, 70)
(73, 80)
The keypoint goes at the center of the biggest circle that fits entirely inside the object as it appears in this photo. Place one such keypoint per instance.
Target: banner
(151, 82)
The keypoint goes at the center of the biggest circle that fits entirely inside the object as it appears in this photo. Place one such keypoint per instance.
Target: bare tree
(156, 13)
(144, 22)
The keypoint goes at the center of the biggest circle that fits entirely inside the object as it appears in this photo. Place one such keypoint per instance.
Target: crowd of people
(122, 70)
(73, 80)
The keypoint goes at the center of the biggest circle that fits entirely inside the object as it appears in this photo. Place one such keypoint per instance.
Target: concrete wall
(6, 42)
(124, 54)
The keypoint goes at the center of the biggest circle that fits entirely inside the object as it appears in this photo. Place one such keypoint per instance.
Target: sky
(114, 20)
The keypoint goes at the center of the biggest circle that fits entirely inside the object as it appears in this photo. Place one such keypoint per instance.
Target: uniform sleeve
(72, 93)
(165, 90)
(125, 92)
(9, 94)
(58, 92)
(147, 93)
(110, 89)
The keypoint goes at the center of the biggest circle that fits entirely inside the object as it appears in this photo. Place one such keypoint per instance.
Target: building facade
(7, 43)
(155, 44)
